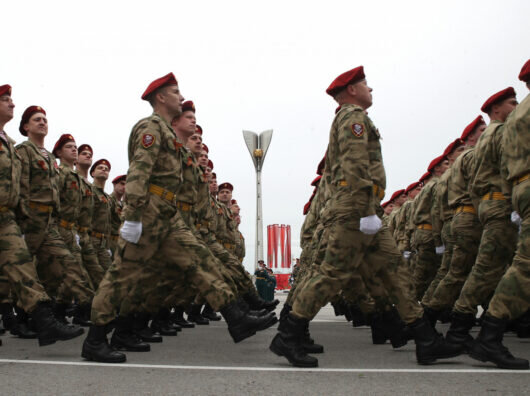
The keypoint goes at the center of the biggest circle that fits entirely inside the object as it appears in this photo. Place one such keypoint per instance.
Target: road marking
(279, 369)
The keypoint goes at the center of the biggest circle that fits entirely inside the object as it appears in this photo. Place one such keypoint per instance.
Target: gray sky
(257, 66)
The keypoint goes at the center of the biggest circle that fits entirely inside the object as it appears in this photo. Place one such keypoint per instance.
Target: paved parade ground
(205, 361)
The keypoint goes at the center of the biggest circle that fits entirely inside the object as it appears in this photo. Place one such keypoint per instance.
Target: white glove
(131, 231)
(23, 237)
(406, 254)
(370, 225)
(78, 240)
(109, 252)
(440, 249)
(516, 219)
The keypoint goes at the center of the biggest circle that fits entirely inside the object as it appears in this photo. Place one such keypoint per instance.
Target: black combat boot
(256, 302)
(432, 315)
(22, 327)
(309, 344)
(488, 346)
(288, 342)
(430, 345)
(97, 348)
(209, 313)
(285, 311)
(246, 309)
(59, 310)
(8, 316)
(522, 326)
(194, 315)
(458, 333)
(49, 328)
(378, 329)
(124, 337)
(177, 318)
(394, 328)
(358, 318)
(81, 315)
(162, 325)
(445, 316)
(240, 325)
(140, 327)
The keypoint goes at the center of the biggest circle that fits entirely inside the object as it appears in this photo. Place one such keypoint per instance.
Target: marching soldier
(116, 206)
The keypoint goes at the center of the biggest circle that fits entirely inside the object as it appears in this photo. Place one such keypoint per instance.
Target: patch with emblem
(42, 164)
(190, 161)
(74, 186)
(357, 130)
(177, 144)
(148, 140)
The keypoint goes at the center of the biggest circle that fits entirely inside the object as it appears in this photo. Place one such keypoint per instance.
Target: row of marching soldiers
(455, 240)
(164, 242)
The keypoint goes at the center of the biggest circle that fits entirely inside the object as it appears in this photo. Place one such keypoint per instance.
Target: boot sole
(53, 340)
(268, 324)
(432, 359)
(481, 358)
(276, 351)
(128, 349)
(90, 357)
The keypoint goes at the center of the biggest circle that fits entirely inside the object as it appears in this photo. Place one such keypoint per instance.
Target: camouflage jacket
(440, 211)
(71, 194)
(116, 207)
(86, 212)
(101, 221)
(240, 246)
(459, 176)
(401, 232)
(422, 209)
(204, 215)
(10, 173)
(313, 216)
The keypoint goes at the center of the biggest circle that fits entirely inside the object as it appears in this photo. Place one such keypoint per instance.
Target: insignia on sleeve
(148, 140)
(177, 144)
(357, 130)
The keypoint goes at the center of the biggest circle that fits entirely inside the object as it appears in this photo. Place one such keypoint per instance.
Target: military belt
(493, 196)
(465, 209)
(521, 179)
(204, 223)
(40, 207)
(82, 229)
(230, 246)
(4, 209)
(378, 191)
(98, 235)
(66, 224)
(162, 193)
(424, 226)
(114, 238)
(261, 278)
(184, 206)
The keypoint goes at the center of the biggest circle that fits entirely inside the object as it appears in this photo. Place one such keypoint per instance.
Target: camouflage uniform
(499, 234)
(101, 226)
(39, 204)
(15, 260)
(355, 177)
(116, 206)
(512, 295)
(155, 174)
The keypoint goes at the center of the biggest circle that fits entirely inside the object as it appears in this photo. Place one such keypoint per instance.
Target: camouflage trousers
(90, 260)
(512, 295)
(54, 260)
(102, 248)
(427, 261)
(167, 242)
(17, 266)
(346, 248)
(448, 241)
(466, 230)
(5, 290)
(356, 292)
(495, 253)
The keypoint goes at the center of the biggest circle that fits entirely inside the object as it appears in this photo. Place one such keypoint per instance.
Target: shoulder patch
(148, 140)
(357, 130)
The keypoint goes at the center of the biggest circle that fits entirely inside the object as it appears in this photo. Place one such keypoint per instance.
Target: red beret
(205, 148)
(321, 165)
(85, 147)
(61, 142)
(396, 194)
(28, 113)
(345, 79)
(188, 106)
(118, 179)
(198, 130)
(210, 164)
(385, 204)
(98, 162)
(214, 175)
(471, 127)
(425, 176)
(498, 97)
(436, 161)
(5, 90)
(316, 182)
(412, 187)
(168, 79)
(226, 186)
(307, 206)
(233, 202)
(453, 146)
(525, 72)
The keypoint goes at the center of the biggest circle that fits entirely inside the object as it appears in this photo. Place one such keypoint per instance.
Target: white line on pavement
(280, 369)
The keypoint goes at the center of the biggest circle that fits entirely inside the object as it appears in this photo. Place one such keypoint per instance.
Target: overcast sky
(266, 65)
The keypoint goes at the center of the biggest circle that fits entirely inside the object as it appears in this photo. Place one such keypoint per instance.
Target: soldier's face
(213, 186)
(101, 172)
(237, 219)
(119, 187)
(441, 167)
(363, 94)
(194, 143)
(472, 138)
(203, 159)
(37, 125)
(412, 193)
(503, 109)
(6, 108)
(401, 199)
(84, 158)
(225, 195)
(208, 173)
(388, 209)
(68, 152)
(455, 154)
(235, 209)
(172, 99)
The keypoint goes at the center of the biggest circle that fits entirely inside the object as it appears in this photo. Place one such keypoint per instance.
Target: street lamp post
(257, 146)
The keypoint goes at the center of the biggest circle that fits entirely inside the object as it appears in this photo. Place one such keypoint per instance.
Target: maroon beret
(498, 97)
(188, 106)
(99, 162)
(525, 72)
(85, 147)
(198, 130)
(438, 160)
(168, 79)
(385, 204)
(214, 175)
(453, 146)
(412, 187)
(118, 179)
(350, 77)
(65, 138)
(471, 127)
(396, 194)
(226, 186)
(321, 165)
(316, 181)
(425, 176)
(233, 202)
(210, 164)
(205, 148)
(5, 90)
(28, 113)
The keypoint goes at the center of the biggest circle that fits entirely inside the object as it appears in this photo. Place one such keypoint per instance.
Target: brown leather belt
(82, 229)
(378, 191)
(98, 235)
(521, 179)
(162, 193)
(465, 209)
(114, 238)
(184, 206)
(40, 207)
(424, 226)
(204, 223)
(493, 196)
(4, 209)
(66, 224)
(230, 246)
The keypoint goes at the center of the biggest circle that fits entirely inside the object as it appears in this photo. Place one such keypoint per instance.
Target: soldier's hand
(78, 240)
(516, 219)
(370, 224)
(406, 255)
(131, 231)
(440, 249)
